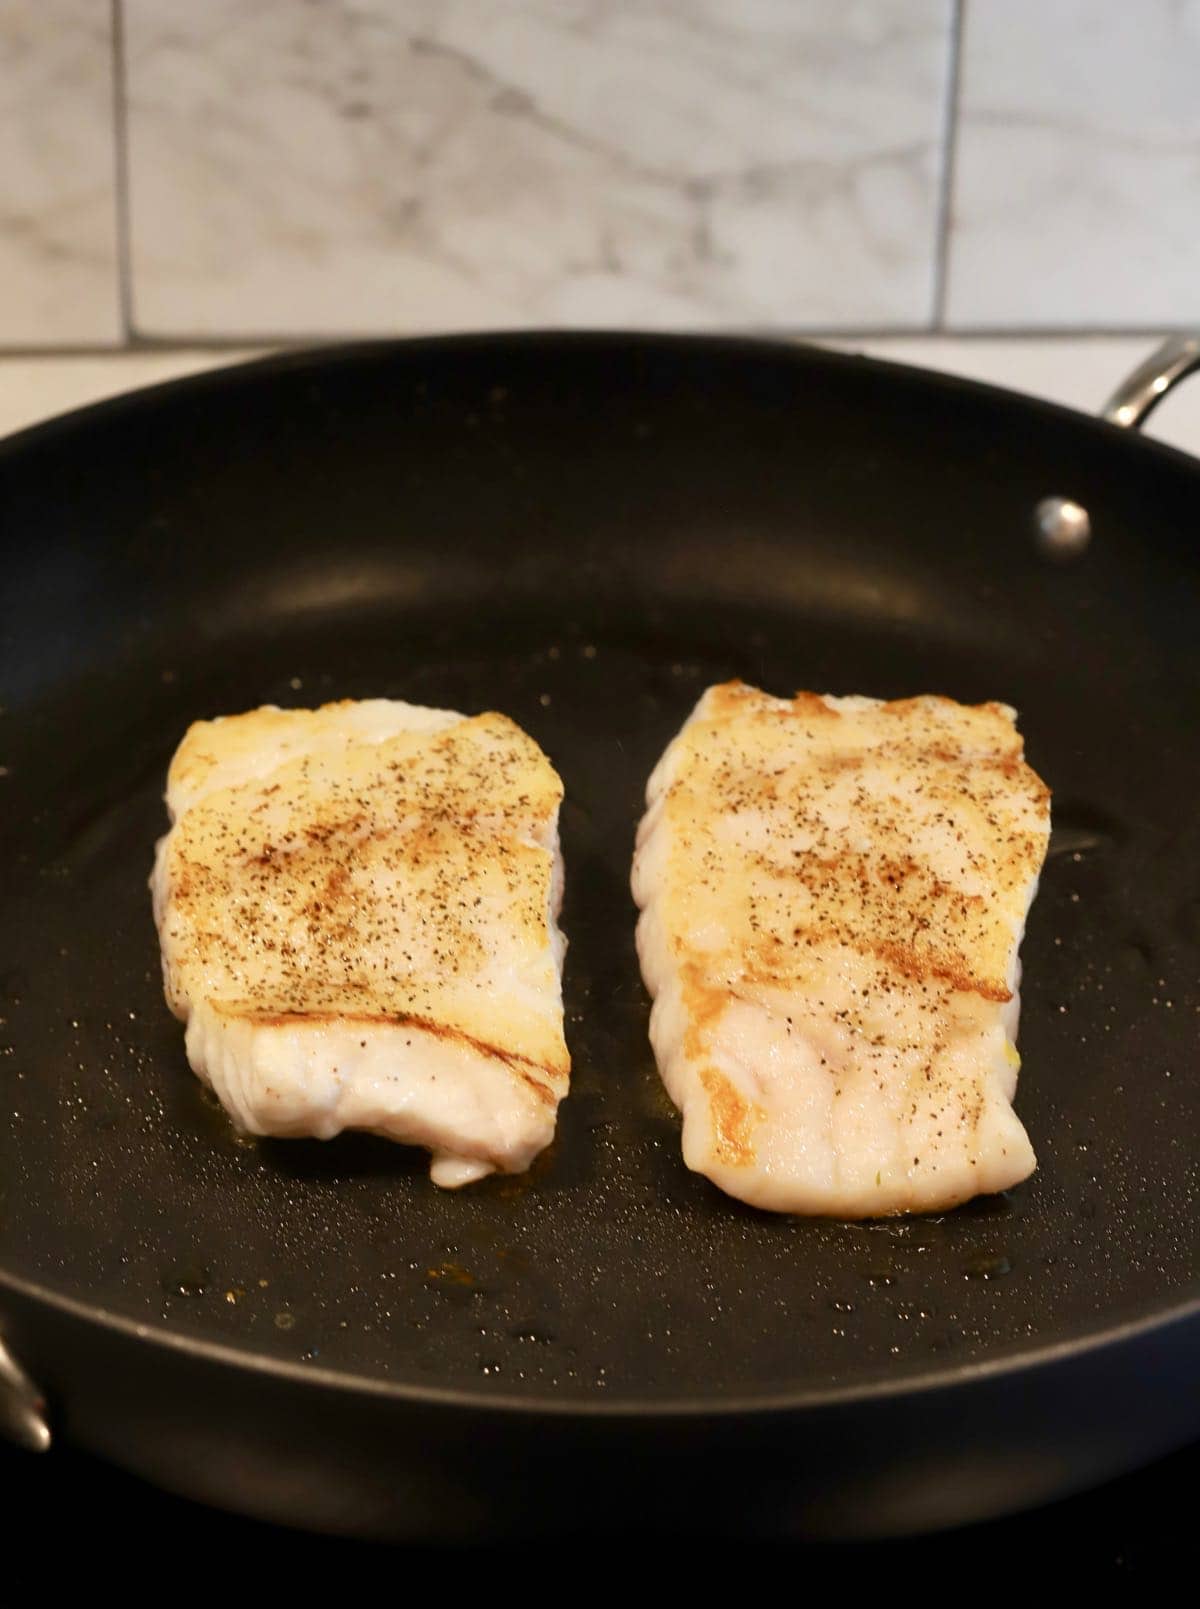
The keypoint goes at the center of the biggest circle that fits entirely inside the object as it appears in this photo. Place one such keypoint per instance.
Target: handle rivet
(1063, 527)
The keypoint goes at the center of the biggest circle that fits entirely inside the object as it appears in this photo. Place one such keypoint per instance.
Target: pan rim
(801, 348)
(608, 1408)
(615, 1408)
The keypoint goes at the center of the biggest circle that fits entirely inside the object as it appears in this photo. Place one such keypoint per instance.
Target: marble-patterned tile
(369, 165)
(1077, 175)
(58, 256)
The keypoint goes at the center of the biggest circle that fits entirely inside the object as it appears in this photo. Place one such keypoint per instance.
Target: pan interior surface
(584, 533)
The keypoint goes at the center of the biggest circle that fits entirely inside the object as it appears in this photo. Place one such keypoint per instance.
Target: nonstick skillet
(584, 531)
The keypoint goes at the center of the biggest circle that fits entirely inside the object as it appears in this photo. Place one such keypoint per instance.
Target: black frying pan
(584, 532)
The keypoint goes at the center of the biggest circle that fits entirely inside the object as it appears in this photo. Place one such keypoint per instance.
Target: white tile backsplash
(425, 164)
(1077, 175)
(58, 231)
(306, 168)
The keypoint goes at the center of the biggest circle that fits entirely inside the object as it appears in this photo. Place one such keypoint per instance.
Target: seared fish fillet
(833, 892)
(357, 910)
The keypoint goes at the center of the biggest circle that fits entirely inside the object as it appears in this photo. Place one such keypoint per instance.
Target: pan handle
(1141, 392)
(1063, 527)
(22, 1406)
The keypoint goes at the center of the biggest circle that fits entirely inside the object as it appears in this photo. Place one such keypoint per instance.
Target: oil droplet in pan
(1078, 829)
(449, 1274)
(994, 1267)
(186, 1279)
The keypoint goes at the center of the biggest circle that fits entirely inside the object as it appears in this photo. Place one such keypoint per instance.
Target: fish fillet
(357, 907)
(833, 892)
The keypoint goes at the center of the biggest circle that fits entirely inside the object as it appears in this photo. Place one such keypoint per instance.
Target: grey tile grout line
(945, 204)
(121, 189)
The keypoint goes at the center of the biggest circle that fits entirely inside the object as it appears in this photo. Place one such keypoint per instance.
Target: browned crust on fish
(522, 1066)
(704, 1005)
(734, 1119)
(968, 765)
(367, 882)
(730, 698)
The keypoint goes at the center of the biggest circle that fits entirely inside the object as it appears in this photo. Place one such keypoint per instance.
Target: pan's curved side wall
(306, 1453)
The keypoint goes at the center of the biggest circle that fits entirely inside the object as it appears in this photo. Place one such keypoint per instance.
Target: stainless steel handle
(22, 1406)
(1063, 527)
(1137, 396)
